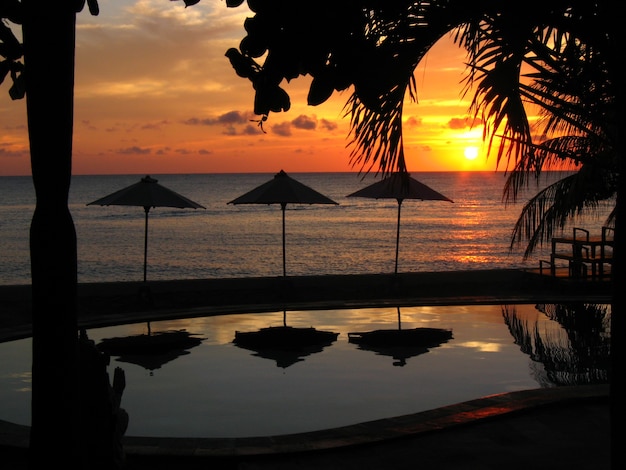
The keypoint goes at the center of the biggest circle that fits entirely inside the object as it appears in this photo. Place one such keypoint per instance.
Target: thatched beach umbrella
(147, 193)
(399, 186)
(283, 190)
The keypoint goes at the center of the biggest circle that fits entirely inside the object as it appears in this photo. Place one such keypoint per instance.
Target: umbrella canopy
(147, 193)
(399, 186)
(283, 190)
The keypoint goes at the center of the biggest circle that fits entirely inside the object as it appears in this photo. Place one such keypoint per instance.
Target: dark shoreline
(122, 302)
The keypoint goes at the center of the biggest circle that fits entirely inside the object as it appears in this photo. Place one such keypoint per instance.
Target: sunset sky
(155, 94)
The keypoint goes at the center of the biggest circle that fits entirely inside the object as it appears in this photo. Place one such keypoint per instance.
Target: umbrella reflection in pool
(150, 351)
(400, 344)
(284, 344)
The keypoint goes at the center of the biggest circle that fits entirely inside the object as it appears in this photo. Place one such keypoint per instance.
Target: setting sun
(471, 153)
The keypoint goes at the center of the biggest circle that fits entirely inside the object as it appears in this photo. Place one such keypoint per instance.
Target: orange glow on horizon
(135, 116)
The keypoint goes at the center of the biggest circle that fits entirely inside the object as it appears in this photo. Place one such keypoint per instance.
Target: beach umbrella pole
(283, 206)
(145, 246)
(398, 234)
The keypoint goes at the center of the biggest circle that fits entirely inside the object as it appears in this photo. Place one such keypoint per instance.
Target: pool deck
(556, 428)
(103, 304)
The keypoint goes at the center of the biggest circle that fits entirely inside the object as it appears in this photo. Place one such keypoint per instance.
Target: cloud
(199, 122)
(87, 124)
(328, 125)
(413, 121)
(252, 129)
(10, 153)
(233, 117)
(230, 118)
(311, 123)
(13, 127)
(131, 127)
(465, 122)
(282, 129)
(134, 150)
(304, 122)
(155, 125)
(158, 48)
(232, 121)
(168, 151)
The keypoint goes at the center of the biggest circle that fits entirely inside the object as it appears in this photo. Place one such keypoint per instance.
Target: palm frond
(377, 134)
(400, 35)
(551, 208)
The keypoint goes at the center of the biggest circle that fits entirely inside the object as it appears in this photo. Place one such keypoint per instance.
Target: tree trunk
(49, 45)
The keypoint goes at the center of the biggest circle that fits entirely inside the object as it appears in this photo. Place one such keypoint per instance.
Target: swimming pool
(218, 389)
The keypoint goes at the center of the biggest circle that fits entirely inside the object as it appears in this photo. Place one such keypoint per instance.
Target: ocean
(357, 236)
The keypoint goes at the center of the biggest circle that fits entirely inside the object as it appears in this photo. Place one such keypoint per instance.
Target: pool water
(218, 389)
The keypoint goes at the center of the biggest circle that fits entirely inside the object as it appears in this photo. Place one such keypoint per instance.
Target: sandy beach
(121, 302)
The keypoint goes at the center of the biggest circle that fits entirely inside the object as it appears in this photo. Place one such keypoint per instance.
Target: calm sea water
(356, 236)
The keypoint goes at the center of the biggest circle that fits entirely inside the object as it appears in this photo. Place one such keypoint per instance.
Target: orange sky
(155, 94)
